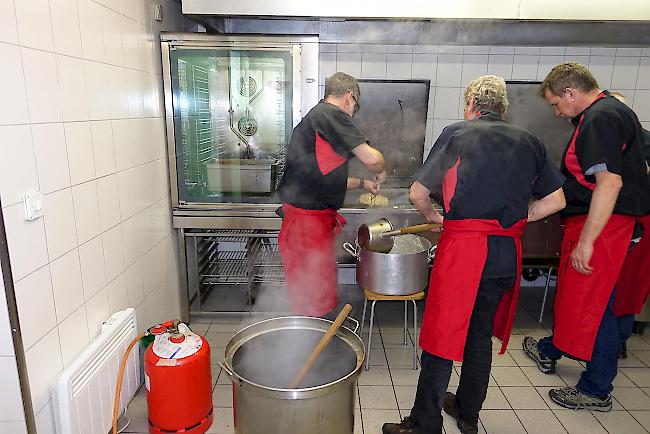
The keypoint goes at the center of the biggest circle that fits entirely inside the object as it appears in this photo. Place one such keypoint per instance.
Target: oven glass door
(232, 121)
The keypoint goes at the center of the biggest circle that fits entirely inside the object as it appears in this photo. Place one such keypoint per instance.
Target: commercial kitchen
(142, 147)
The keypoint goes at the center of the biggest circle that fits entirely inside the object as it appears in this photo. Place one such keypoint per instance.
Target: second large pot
(262, 359)
(402, 271)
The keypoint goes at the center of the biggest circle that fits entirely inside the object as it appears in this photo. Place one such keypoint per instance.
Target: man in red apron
(312, 189)
(483, 171)
(606, 189)
(633, 285)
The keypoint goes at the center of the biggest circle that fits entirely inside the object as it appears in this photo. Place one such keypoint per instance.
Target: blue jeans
(625, 327)
(597, 379)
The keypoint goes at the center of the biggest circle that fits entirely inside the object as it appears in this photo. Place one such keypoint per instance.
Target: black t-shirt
(609, 136)
(499, 166)
(316, 171)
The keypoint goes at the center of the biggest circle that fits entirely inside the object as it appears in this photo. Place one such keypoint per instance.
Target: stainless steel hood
(441, 31)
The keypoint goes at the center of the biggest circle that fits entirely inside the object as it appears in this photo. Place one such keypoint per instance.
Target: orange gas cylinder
(178, 381)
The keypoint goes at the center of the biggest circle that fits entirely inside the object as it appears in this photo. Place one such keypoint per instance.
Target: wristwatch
(362, 183)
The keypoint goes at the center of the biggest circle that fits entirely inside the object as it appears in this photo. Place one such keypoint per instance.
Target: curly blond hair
(488, 93)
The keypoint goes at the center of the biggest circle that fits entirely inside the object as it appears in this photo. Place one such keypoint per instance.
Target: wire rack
(236, 257)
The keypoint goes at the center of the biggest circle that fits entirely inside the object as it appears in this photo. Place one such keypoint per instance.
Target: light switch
(34, 205)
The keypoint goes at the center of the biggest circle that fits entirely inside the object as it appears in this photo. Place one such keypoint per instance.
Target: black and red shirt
(486, 168)
(608, 136)
(316, 171)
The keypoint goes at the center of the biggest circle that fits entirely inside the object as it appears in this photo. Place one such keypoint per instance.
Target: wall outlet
(34, 204)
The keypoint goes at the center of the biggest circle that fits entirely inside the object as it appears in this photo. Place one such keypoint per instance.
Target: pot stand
(374, 297)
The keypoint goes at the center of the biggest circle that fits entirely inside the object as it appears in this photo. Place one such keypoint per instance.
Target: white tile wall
(44, 363)
(65, 27)
(51, 157)
(35, 301)
(86, 210)
(12, 72)
(81, 76)
(109, 202)
(450, 68)
(67, 284)
(93, 268)
(626, 70)
(74, 98)
(34, 25)
(103, 148)
(73, 333)
(97, 311)
(81, 160)
(113, 252)
(42, 84)
(18, 164)
(26, 242)
(8, 27)
(60, 230)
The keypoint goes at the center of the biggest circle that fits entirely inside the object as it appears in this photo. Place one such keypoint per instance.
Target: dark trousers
(477, 362)
(625, 327)
(597, 378)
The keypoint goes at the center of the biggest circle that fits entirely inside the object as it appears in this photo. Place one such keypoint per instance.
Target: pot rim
(426, 250)
(235, 343)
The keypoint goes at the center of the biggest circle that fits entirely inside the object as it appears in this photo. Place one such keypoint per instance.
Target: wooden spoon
(321, 346)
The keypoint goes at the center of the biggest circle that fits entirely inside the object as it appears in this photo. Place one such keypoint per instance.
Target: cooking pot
(262, 359)
(378, 236)
(402, 271)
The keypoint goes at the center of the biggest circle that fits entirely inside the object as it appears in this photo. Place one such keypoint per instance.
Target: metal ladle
(378, 236)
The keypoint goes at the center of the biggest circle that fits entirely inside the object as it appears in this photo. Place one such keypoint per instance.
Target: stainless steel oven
(231, 103)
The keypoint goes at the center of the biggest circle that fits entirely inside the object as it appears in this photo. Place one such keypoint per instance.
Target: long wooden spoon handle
(321, 346)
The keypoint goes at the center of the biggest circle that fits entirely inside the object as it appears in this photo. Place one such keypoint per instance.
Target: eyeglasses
(356, 102)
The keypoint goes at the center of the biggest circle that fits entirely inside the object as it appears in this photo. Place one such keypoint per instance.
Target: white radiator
(84, 393)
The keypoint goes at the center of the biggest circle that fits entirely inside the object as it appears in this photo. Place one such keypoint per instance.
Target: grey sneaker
(570, 397)
(547, 366)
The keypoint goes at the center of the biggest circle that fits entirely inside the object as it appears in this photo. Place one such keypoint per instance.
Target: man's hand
(380, 177)
(580, 257)
(435, 217)
(371, 186)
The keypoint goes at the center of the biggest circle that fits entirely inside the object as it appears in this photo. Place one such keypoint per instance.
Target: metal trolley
(224, 265)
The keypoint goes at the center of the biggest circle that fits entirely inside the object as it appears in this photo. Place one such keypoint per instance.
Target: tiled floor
(517, 400)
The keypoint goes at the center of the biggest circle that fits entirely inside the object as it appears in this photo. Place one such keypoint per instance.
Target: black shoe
(408, 425)
(570, 397)
(449, 405)
(547, 366)
(639, 327)
(622, 352)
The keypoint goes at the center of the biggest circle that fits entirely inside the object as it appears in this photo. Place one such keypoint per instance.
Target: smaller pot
(403, 271)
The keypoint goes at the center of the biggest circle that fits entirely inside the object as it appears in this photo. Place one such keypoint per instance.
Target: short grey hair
(565, 75)
(340, 84)
(488, 93)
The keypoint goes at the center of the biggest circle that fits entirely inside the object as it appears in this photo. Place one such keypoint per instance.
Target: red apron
(581, 299)
(633, 283)
(306, 245)
(455, 277)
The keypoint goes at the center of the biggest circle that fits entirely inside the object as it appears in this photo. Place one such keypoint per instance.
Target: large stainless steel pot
(402, 271)
(322, 409)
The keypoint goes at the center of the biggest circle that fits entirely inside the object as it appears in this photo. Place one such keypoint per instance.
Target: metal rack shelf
(246, 257)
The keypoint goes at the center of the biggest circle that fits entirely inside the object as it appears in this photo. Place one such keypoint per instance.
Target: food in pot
(274, 358)
(371, 199)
